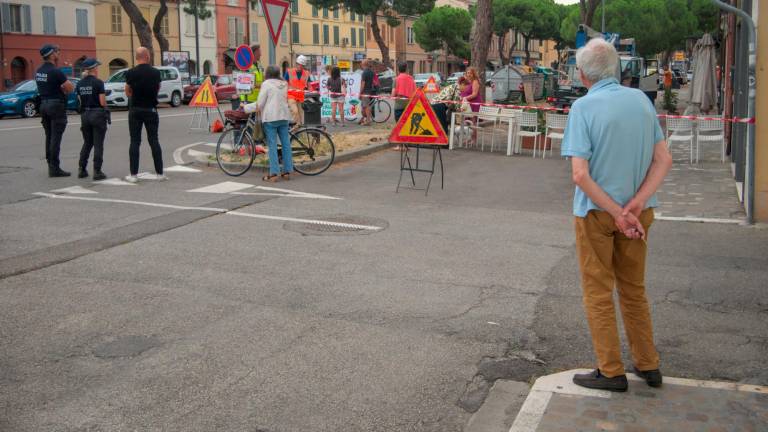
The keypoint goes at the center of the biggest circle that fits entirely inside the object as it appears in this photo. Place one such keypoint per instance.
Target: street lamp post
(197, 43)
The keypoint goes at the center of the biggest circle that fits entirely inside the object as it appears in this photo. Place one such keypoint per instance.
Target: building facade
(206, 42)
(116, 38)
(29, 24)
(231, 31)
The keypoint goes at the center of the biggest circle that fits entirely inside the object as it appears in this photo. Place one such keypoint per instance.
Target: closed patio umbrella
(703, 89)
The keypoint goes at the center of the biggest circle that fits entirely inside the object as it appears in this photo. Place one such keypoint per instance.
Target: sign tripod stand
(203, 100)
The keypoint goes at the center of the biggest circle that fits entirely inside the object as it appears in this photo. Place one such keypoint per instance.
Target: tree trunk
(504, 60)
(379, 39)
(481, 39)
(156, 25)
(143, 31)
(512, 46)
(527, 42)
(587, 10)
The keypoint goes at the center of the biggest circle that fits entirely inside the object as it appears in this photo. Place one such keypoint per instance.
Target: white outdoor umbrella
(703, 89)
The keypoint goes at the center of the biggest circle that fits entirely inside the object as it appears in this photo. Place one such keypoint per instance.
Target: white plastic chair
(713, 132)
(680, 130)
(527, 126)
(490, 117)
(556, 122)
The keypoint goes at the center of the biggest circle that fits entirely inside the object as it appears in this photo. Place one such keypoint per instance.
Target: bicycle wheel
(313, 151)
(235, 152)
(381, 110)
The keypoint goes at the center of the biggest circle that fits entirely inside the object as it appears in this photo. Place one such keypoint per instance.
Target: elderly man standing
(619, 159)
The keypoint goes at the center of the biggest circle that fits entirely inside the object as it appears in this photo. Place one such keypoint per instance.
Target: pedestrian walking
(94, 117)
(367, 91)
(403, 89)
(619, 159)
(338, 89)
(275, 116)
(297, 78)
(142, 83)
(53, 88)
(668, 78)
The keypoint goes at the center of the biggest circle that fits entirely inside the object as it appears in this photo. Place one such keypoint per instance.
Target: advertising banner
(179, 60)
(351, 99)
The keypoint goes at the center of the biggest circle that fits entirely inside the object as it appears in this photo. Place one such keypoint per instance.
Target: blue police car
(23, 99)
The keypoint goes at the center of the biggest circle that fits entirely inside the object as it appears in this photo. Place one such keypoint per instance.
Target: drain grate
(338, 225)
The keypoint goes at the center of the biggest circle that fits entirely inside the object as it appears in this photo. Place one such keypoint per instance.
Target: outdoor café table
(511, 124)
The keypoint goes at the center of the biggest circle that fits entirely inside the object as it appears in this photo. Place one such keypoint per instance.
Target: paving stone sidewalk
(555, 404)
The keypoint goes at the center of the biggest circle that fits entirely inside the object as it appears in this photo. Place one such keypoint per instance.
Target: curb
(340, 157)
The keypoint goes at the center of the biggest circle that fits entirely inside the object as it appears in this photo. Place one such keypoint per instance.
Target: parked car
(454, 78)
(422, 78)
(223, 86)
(681, 77)
(24, 100)
(171, 88)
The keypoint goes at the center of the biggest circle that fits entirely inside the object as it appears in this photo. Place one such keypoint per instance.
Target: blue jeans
(272, 130)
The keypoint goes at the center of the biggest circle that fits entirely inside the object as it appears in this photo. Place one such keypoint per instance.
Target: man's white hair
(597, 59)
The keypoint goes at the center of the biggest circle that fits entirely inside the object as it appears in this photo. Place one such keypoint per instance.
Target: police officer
(258, 75)
(53, 86)
(93, 119)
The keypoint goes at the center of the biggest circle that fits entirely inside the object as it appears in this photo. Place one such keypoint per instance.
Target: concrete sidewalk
(555, 404)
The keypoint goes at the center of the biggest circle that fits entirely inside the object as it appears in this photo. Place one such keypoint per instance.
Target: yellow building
(116, 37)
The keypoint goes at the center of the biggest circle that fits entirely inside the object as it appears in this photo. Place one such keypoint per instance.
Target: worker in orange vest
(297, 78)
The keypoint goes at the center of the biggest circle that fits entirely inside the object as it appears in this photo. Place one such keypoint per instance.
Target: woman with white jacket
(272, 104)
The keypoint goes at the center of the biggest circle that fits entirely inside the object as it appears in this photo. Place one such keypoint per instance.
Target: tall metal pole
(2, 52)
(197, 41)
(602, 9)
(749, 178)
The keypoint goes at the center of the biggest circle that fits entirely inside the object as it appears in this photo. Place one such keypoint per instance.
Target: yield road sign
(274, 12)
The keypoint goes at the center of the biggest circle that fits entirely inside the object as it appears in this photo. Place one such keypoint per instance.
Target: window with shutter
(316, 34)
(117, 19)
(326, 35)
(189, 25)
(254, 33)
(325, 12)
(232, 32)
(353, 36)
(314, 11)
(335, 14)
(82, 21)
(240, 36)
(361, 36)
(49, 20)
(294, 6)
(209, 27)
(26, 16)
(336, 35)
(295, 33)
(283, 36)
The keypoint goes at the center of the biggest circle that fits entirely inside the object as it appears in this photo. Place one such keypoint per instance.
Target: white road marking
(144, 203)
(177, 153)
(196, 153)
(114, 181)
(279, 195)
(212, 209)
(292, 192)
(74, 190)
(181, 168)
(311, 221)
(223, 187)
(78, 124)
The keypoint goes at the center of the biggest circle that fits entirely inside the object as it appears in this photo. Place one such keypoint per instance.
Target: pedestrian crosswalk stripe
(114, 181)
(223, 187)
(74, 190)
(181, 168)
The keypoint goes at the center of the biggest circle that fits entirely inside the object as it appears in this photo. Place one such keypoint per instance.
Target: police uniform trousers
(93, 125)
(53, 113)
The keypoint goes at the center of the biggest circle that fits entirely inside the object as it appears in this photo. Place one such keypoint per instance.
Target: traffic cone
(217, 126)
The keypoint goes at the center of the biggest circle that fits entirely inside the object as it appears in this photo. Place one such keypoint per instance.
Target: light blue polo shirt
(614, 128)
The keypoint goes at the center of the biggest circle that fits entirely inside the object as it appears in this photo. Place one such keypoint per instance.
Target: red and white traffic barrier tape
(750, 120)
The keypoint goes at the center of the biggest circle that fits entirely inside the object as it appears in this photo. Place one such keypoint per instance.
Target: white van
(171, 87)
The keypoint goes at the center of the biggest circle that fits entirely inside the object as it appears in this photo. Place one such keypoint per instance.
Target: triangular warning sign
(431, 86)
(274, 12)
(205, 96)
(418, 124)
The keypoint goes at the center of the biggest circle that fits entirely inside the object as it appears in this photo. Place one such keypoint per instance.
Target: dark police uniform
(93, 121)
(53, 110)
(145, 84)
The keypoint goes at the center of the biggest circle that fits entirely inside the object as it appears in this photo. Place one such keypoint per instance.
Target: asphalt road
(210, 303)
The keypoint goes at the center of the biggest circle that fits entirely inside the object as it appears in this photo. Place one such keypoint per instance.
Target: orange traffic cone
(217, 126)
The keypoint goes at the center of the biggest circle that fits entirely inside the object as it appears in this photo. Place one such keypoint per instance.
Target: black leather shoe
(595, 380)
(651, 377)
(83, 173)
(98, 175)
(57, 172)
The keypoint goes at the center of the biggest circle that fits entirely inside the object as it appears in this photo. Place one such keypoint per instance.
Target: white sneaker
(161, 177)
(131, 179)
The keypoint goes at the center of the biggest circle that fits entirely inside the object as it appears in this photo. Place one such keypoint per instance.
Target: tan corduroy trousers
(608, 258)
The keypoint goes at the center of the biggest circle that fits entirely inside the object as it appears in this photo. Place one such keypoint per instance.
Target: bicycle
(237, 150)
(381, 110)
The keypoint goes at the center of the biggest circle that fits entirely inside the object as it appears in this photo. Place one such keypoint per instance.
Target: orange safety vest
(296, 85)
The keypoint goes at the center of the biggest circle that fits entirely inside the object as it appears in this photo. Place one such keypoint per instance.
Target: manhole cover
(338, 225)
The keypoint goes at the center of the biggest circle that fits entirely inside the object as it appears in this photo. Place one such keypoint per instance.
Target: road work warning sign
(205, 97)
(418, 124)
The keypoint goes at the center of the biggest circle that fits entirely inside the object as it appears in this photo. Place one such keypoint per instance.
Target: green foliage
(387, 7)
(707, 14)
(446, 28)
(669, 103)
(570, 24)
(198, 7)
